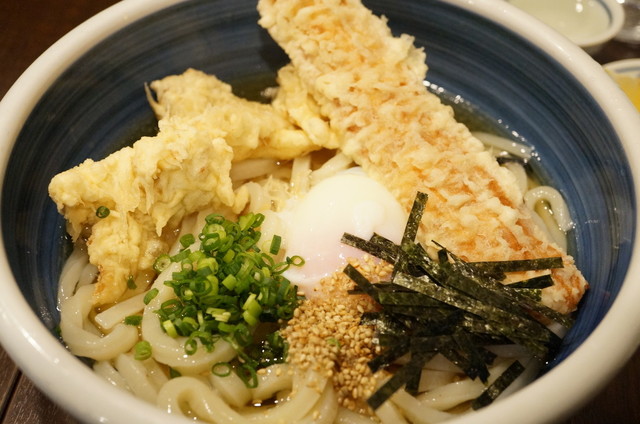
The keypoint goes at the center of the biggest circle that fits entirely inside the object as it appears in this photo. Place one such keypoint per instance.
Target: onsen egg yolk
(349, 202)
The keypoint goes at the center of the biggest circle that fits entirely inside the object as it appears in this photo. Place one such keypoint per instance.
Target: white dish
(588, 23)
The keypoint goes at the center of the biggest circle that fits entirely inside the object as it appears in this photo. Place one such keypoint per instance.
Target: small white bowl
(588, 23)
(626, 73)
(629, 67)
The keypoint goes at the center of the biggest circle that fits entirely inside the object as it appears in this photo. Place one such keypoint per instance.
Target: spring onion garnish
(452, 307)
(134, 320)
(150, 295)
(221, 369)
(131, 283)
(102, 212)
(228, 289)
(142, 350)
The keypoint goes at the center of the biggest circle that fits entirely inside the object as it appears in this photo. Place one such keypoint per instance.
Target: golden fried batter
(368, 87)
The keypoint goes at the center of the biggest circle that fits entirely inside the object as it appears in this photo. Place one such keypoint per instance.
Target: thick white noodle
(499, 144)
(430, 379)
(232, 389)
(300, 172)
(74, 313)
(108, 318)
(325, 410)
(272, 380)
(71, 273)
(252, 168)
(550, 212)
(106, 370)
(453, 394)
(441, 363)
(554, 198)
(520, 174)
(137, 377)
(88, 275)
(191, 396)
(416, 411)
(339, 162)
(388, 413)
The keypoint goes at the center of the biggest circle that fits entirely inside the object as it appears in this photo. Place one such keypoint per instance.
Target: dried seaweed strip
(384, 243)
(386, 323)
(379, 250)
(498, 386)
(407, 298)
(399, 379)
(488, 294)
(542, 312)
(415, 216)
(518, 265)
(361, 281)
(518, 329)
(540, 282)
(476, 359)
(449, 306)
(389, 356)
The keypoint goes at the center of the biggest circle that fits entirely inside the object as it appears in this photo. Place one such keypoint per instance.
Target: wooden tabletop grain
(28, 28)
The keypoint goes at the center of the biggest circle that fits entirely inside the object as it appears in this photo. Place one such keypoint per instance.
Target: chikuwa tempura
(347, 252)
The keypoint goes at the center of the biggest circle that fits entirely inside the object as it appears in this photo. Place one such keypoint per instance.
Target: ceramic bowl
(626, 72)
(84, 98)
(589, 24)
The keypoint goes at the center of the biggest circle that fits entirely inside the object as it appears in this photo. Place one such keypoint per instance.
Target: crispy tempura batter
(159, 180)
(252, 129)
(147, 187)
(369, 86)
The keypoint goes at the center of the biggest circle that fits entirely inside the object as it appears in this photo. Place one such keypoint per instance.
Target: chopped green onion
(274, 248)
(248, 375)
(161, 263)
(134, 320)
(142, 350)
(169, 328)
(151, 294)
(131, 283)
(102, 212)
(187, 240)
(221, 369)
(225, 288)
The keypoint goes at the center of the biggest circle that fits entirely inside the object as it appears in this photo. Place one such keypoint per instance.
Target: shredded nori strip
(415, 216)
(377, 249)
(448, 306)
(389, 355)
(540, 282)
(518, 265)
(399, 379)
(502, 382)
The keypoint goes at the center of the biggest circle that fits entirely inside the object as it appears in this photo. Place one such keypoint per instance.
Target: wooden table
(27, 28)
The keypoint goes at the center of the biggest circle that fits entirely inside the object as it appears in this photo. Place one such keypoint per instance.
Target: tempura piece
(148, 188)
(252, 129)
(368, 86)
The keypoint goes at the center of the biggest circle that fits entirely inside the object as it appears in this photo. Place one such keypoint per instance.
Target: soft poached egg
(349, 202)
